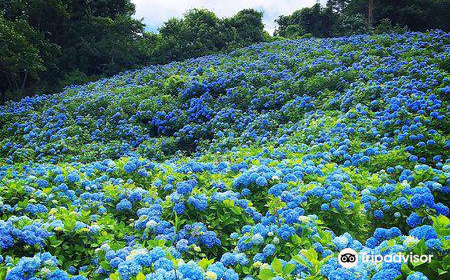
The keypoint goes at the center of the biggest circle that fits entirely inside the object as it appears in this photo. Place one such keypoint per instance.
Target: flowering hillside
(259, 164)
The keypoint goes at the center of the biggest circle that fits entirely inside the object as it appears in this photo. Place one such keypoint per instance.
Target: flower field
(263, 163)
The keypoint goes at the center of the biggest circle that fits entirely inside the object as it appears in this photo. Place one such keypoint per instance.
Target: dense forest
(46, 45)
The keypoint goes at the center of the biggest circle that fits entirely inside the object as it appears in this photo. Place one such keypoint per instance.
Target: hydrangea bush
(262, 163)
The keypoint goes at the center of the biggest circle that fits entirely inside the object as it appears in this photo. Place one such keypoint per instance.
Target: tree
(23, 55)
(103, 46)
(95, 38)
(198, 33)
(418, 15)
(315, 20)
(337, 6)
(100, 38)
(201, 32)
(249, 27)
(348, 25)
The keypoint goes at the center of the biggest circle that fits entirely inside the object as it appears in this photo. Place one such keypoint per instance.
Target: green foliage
(52, 44)
(351, 24)
(310, 259)
(418, 15)
(248, 26)
(349, 17)
(195, 35)
(23, 55)
(100, 38)
(315, 20)
(278, 270)
(385, 26)
(201, 32)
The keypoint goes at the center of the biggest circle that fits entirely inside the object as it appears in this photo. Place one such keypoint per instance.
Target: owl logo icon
(348, 258)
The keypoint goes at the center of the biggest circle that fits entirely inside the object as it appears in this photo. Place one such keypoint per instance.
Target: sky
(156, 12)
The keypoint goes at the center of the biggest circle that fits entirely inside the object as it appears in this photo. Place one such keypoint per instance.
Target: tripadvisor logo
(348, 258)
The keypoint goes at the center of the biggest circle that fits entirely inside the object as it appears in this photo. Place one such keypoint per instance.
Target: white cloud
(156, 12)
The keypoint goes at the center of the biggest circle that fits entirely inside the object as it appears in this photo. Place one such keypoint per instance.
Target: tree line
(348, 17)
(48, 44)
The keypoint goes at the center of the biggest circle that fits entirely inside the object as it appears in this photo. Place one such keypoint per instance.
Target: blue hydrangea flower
(416, 276)
(128, 269)
(73, 177)
(124, 205)
(424, 232)
(414, 220)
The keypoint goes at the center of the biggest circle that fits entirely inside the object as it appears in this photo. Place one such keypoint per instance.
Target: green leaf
(310, 254)
(405, 269)
(2, 272)
(266, 274)
(277, 265)
(140, 276)
(446, 262)
(301, 261)
(23, 204)
(101, 255)
(417, 263)
(69, 225)
(435, 265)
(325, 236)
(114, 276)
(420, 248)
(105, 265)
(296, 240)
(288, 268)
(204, 263)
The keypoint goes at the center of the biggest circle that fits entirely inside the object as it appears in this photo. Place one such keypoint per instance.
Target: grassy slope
(351, 125)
